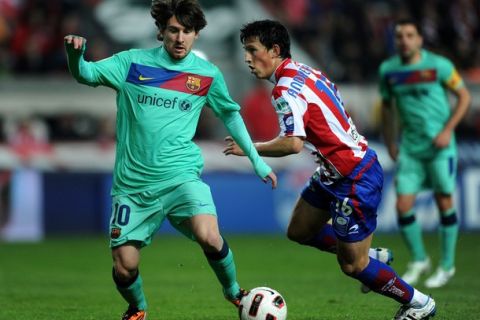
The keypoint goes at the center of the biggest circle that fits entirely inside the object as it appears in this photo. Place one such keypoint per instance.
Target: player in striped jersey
(160, 94)
(347, 185)
(414, 82)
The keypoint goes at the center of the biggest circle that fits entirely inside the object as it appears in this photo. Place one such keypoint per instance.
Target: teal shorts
(414, 174)
(137, 217)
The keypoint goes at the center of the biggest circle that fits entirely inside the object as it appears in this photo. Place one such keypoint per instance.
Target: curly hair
(188, 13)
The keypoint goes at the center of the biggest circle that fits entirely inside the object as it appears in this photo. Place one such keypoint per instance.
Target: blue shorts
(352, 200)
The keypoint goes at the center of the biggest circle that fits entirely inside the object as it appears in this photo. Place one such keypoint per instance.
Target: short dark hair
(409, 21)
(269, 32)
(188, 13)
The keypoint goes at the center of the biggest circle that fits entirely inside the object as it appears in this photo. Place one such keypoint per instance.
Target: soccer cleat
(407, 312)
(415, 269)
(383, 255)
(236, 301)
(439, 278)
(133, 313)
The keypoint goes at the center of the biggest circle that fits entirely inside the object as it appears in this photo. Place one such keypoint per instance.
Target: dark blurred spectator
(5, 179)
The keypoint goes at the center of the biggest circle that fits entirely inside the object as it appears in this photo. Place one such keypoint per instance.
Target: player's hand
(74, 41)
(232, 148)
(443, 139)
(272, 177)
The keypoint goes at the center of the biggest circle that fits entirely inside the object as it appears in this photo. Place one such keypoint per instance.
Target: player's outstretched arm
(277, 147)
(75, 47)
(236, 127)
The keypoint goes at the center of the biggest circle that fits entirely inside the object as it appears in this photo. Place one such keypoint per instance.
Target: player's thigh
(126, 258)
(204, 229)
(443, 172)
(405, 203)
(190, 199)
(135, 218)
(306, 220)
(411, 174)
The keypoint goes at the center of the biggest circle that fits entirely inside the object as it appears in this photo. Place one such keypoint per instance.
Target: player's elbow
(295, 144)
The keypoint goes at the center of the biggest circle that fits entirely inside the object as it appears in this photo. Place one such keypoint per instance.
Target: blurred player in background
(415, 82)
(160, 94)
(347, 185)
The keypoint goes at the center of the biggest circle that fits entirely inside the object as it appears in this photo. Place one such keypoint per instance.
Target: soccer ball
(263, 303)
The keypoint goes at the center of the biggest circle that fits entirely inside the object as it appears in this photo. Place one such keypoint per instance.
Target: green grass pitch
(65, 278)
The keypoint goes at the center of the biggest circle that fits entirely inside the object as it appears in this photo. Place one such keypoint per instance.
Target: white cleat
(415, 269)
(439, 278)
(407, 312)
(381, 254)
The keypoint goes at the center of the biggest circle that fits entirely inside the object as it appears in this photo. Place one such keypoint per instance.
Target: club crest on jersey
(115, 233)
(193, 83)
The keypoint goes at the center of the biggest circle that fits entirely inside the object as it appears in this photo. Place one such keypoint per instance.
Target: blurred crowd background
(57, 138)
(346, 39)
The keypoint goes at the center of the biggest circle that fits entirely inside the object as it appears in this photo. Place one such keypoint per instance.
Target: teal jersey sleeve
(218, 97)
(228, 111)
(110, 72)
(448, 75)
(235, 125)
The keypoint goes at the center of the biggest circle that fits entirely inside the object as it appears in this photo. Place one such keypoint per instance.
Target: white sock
(372, 253)
(419, 299)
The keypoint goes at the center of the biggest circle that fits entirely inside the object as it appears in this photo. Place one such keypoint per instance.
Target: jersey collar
(278, 72)
(187, 59)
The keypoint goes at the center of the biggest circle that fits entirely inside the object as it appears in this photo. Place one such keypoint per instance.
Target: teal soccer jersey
(159, 101)
(420, 95)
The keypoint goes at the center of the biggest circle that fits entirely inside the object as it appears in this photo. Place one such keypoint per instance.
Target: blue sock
(382, 279)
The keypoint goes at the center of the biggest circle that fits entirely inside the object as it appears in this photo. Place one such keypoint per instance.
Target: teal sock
(412, 234)
(223, 265)
(448, 238)
(132, 292)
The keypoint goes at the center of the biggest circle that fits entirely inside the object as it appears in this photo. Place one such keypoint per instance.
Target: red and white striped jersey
(309, 105)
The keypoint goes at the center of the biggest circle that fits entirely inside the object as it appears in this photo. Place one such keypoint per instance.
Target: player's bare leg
(128, 280)
(205, 229)
(312, 226)
(306, 223)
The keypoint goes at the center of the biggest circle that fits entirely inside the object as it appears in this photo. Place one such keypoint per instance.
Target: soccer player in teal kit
(416, 81)
(160, 93)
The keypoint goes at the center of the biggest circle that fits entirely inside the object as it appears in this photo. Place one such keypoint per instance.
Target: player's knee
(296, 234)
(350, 269)
(353, 268)
(209, 241)
(403, 207)
(124, 272)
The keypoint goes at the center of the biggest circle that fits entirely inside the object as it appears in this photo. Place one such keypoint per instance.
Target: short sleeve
(448, 75)
(290, 113)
